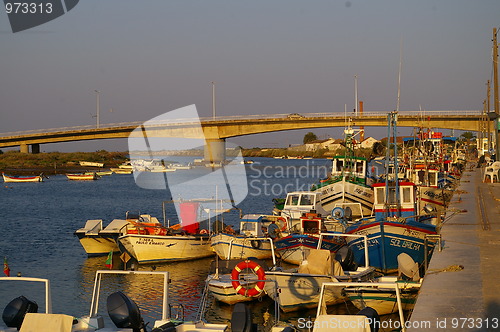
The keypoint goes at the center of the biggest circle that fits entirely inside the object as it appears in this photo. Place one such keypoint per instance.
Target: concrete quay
(461, 290)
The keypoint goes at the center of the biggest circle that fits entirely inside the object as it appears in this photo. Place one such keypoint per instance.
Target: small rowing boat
(82, 177)
(11, 178)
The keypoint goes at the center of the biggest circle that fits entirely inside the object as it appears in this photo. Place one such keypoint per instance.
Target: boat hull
(383, 300)
(81, 177)
(386, 240)
(7, 178)
(344, 193)
(223, 291)
(241, 247)
(295, 248)
(148, 249)
(98, 245)
(301, 291)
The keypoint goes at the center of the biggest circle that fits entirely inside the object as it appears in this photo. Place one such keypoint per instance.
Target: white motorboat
(21, 313)
(298, 288)
(251, 241)
(384, 299)
(367, 320)
(223, 273)
(99, 241)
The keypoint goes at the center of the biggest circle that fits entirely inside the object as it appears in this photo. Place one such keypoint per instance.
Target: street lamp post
(97, 108)
(213, 100)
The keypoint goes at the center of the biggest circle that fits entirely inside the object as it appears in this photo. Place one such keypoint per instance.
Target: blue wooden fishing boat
(396, 227)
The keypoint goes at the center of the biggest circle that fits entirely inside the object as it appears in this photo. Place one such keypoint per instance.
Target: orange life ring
(203, 231)
(235, 275)
(285, 223)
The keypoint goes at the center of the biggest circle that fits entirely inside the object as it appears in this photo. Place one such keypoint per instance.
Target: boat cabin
(354, 166)
(422, 176)
(311, 223)
(251, 225)
(394, 201)
(299, 202)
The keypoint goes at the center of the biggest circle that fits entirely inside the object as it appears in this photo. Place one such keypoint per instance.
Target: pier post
(24, 148)
(215, 150)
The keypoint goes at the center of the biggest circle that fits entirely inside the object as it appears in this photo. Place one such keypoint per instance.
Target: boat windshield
(292, 199)
(306, 199)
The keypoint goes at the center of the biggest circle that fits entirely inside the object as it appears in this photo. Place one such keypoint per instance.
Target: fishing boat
(247, 273)
(91, 164)
(297, 203)
(149, 244)
(99, 241)
(365, 320)
(348, 184)
(382, 298)
(253, 239)
(11, 178)
(181, 166)
(294, 247)
(299, 288)
(148, 249)
(82, 176)
(100, 173)
(397, 227)
(121, 170)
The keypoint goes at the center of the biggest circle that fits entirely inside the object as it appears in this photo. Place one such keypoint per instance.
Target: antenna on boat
(399, 74)
(356, 95)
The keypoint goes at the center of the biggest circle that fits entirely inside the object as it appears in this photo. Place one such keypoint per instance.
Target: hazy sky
(280, 56)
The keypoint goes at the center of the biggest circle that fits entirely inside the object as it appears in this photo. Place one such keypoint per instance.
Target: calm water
(38, 221)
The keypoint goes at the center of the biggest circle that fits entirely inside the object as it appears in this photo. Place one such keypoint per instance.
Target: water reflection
(186, 286)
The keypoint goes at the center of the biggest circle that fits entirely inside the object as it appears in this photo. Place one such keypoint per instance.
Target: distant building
(368, 143)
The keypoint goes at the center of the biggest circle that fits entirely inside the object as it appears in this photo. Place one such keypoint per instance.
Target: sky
(266, 57)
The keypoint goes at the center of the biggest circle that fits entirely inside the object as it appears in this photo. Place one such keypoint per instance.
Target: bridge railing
(208, 120)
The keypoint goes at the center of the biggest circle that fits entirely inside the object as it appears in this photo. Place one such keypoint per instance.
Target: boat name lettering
(405, 244)
(371, 243)
(148, 241)
(363, 193)
(433, 194)
(412, 233)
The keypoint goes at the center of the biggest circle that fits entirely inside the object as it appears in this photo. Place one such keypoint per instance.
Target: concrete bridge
(216, 130)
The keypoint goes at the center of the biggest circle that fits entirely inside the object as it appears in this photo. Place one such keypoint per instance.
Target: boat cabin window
(292, 200)
(421, 176)
(311, 226)
(392, 196)
(339, 165)
(406, 192)
(360, 167)
(379, 195)
(248, 227)
(433, 179)
(306, 200)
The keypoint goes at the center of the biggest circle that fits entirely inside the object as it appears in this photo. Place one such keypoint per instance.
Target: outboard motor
(241, 319)
(124, 312)
(345, 257)
(373, 317)
(14, 312)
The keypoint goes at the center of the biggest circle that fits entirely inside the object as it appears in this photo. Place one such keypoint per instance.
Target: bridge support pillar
(215, 150)
(35, 148)
(24, 148)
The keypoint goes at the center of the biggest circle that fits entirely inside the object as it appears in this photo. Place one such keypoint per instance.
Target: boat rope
(451, 268)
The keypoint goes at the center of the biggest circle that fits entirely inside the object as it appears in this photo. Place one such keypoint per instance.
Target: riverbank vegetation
(50, 162)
